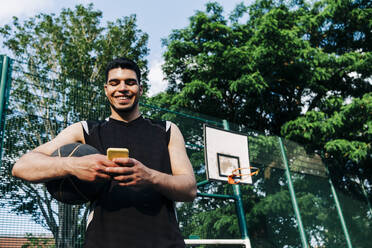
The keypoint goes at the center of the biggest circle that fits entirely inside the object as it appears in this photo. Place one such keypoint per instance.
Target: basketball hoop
(235, 174)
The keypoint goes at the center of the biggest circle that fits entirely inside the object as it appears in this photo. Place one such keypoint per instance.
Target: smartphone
(117, 153)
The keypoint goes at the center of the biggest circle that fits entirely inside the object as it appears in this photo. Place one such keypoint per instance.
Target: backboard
(224, 152)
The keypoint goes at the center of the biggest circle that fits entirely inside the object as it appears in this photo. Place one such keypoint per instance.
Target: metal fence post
(4, 88)
(293, 196)
(339, 211)
(239, 206)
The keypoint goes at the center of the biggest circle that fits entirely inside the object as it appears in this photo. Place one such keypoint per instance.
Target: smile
(123, 100)
(123, 97)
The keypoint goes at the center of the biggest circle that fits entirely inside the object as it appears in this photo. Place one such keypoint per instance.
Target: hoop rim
(231, 180)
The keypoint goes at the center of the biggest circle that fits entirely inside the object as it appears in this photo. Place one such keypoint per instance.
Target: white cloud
(22, 8)
(156, 77)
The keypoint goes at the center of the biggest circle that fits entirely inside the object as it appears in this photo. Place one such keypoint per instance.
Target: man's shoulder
(90, 125)
(163, 124)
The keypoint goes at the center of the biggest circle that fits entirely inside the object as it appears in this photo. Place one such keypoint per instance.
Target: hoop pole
(293, 196)
(239, 205)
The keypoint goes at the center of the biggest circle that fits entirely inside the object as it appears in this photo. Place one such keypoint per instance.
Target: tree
(264, 72)
(288, 58)
(341, 133)
(58, 76)
(339, 127)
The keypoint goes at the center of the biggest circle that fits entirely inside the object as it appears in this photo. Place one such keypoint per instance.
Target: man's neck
(125, 117)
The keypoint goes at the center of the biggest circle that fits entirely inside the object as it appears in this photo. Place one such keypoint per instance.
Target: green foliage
(36, 242)
(341, 131)
(263, 72)
(284, 67)
(75, 44)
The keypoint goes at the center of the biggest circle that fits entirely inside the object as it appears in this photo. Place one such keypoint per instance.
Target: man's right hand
(90, 168)
(38, 166)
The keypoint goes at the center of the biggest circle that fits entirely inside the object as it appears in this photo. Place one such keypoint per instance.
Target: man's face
(123, 90)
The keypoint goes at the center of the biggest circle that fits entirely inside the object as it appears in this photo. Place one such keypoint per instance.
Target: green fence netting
(40, 104)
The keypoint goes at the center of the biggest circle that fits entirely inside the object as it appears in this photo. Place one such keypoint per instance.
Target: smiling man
(123, 91)
(137, 210)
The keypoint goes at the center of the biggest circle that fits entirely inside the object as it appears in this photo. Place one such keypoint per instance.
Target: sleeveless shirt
(135, 216)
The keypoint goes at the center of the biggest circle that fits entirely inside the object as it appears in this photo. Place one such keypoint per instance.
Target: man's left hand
(130, 172)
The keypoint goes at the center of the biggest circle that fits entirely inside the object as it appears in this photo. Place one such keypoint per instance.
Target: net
(41, 104)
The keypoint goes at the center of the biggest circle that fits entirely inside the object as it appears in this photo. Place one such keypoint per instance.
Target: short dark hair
(123, 63)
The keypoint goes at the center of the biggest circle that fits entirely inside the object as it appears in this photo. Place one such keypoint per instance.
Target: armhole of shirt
(88, 127)
(168, 130)
(85, 127)
(84, 124)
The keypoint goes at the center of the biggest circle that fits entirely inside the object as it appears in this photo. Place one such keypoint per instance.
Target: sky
(156, 18)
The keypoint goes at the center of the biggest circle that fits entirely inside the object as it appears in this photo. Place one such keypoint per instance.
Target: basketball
(70, 189)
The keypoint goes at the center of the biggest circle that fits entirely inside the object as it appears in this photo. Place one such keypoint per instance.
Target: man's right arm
(38, 166)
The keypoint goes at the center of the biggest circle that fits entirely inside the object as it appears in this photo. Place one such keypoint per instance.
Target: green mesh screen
(41, 104)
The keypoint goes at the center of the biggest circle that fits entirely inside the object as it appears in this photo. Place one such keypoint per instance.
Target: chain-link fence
(293, 202)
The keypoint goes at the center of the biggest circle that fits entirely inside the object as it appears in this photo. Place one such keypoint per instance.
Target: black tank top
(133, 217)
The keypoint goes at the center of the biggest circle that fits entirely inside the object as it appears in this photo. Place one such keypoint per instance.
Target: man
(137, 210)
